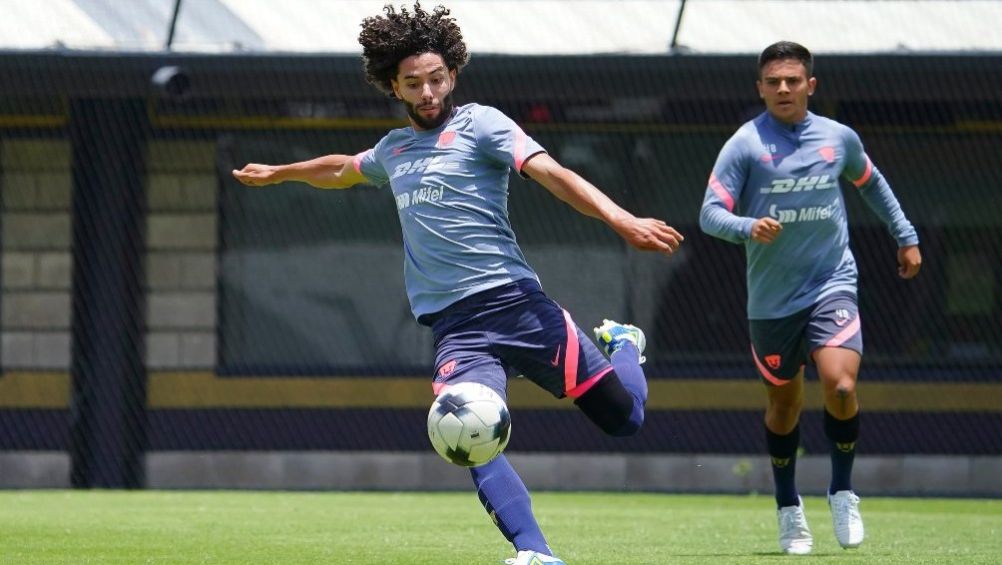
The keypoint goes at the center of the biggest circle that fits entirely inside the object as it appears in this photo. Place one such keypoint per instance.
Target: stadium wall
(211, 420)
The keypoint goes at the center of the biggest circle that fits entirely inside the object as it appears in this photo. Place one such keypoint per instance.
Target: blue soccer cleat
(533, 558)
(611, 335)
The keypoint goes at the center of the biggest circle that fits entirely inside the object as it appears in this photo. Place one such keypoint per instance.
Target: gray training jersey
(791, 173)
(451, 190)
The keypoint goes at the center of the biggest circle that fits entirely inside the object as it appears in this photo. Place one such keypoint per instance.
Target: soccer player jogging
(465, 275)
(775, 189)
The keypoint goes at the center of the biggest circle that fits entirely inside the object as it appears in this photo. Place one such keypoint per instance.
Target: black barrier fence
(146, 292)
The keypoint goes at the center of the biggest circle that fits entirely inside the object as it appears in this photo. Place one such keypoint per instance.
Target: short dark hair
(786, 50)
(388, 39)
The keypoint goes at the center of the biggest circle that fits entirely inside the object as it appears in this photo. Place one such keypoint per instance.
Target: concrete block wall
(181, 242)
(35, 199)
(683, 473)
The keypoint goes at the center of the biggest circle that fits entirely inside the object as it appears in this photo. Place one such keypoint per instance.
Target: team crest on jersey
(447, 369)
(445, 139)
(841, 316)
(773, 361)
(827, 153)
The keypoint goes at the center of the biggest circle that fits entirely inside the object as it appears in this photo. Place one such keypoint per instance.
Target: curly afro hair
(387, 40)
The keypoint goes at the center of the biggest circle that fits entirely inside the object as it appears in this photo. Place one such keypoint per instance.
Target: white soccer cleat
(611, 335)
(794, 534)
(844, 505)
(533, 558)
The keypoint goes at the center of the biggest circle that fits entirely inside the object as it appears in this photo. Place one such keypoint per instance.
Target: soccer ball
(469, 424)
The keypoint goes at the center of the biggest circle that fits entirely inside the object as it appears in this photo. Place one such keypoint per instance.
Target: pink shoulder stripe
(721, 192)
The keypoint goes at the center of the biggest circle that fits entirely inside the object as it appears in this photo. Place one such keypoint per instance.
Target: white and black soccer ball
(469, 424)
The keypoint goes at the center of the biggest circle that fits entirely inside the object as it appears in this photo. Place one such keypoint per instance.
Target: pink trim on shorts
(844, 335)
(570, 354)
(765, 372)
(584, 387)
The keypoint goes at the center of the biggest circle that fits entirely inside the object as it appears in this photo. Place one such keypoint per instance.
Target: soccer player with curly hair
(465, 275)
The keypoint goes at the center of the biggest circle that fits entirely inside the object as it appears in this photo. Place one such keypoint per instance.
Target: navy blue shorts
(782, 347)
(510, 330)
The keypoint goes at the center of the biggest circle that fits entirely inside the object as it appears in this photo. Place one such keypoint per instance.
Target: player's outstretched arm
(649, 234)
(329, 171)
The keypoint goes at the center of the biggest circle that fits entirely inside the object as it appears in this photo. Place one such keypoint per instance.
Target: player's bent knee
(611, 407)
(845, 388)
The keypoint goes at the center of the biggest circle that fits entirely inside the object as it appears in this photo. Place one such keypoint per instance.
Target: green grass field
(422, 528)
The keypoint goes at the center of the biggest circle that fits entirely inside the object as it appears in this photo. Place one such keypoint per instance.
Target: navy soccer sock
(507, 502)
(843, 435)
(631, 374)
(783, 453)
